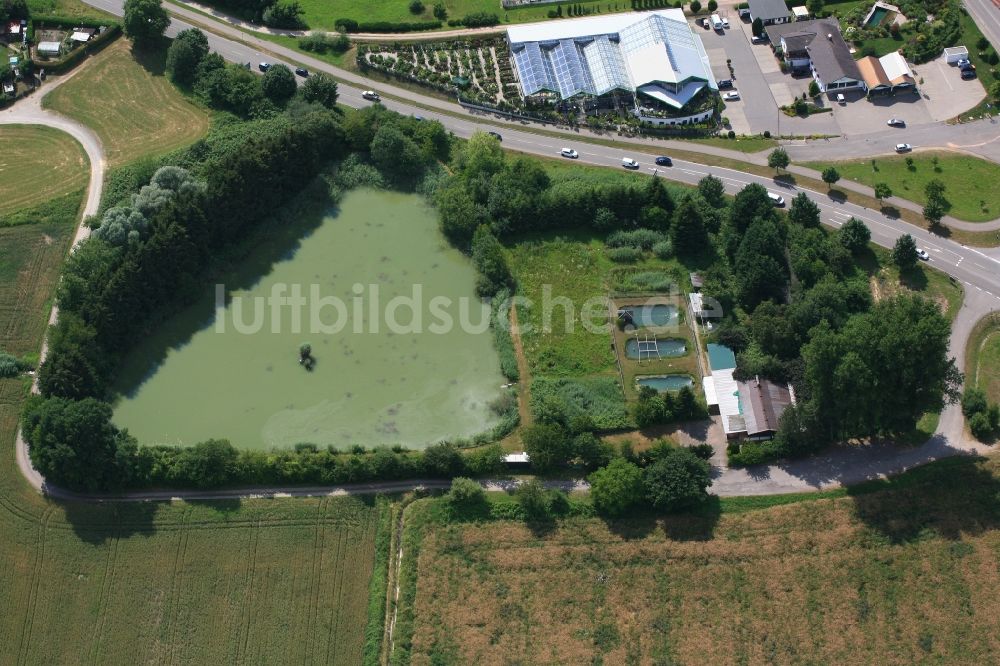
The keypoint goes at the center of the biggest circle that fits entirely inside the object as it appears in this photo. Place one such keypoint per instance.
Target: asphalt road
(978, 273)
(986, 13)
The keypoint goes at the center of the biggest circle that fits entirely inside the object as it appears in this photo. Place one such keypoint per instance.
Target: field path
(29, 111)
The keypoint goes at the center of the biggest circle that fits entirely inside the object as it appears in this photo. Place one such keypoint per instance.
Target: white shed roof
(80, 37)
(710, 397)
(519, 457)
(48, 47)
(728, 395)
(895, 66)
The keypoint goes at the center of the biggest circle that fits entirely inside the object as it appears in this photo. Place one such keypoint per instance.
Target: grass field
(982, 357)
(38, 164)
(323, 13)
(132, 107)
(886, 281)
(962, 175)
(895, 572)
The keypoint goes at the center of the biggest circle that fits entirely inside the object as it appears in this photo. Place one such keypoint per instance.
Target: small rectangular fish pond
(665, 383)
(652, 348)
(653, 315)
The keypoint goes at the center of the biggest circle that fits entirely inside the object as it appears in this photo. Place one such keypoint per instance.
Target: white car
(776, 199)
(731, 96)
(570, 153)
(629, 163)
(896, 122)
(725, 23)
(922, 254)
(372, 95)
(903, 147)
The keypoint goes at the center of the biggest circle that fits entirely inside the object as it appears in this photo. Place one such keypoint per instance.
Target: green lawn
(134, 109)
(982, 357)
(324, 13)
(751, 144)
(38, 164)
(964, 177)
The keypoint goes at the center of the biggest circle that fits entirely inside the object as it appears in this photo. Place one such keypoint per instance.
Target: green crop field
(894, 572)
(962, 175)
(132, 107)
(38, 164)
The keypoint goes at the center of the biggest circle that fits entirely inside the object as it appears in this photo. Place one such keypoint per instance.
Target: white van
(716, 22)
(629, 163)
(776, 199)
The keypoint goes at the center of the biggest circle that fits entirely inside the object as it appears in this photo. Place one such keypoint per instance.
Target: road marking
(692, 171)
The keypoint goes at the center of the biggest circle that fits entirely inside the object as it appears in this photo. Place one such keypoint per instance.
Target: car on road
(968, 74)
(419, 119)
(629, 163)
(903, 147)
(302, 71)
(371, 95)
(264, 66)
(896, 122)
(570, 153)
(776, 199)
(725, 84)
(923, 255)
(663, 160)
(496, 135)
(731, 96)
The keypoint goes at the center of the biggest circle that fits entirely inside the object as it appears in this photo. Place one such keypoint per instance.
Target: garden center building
(652, 55)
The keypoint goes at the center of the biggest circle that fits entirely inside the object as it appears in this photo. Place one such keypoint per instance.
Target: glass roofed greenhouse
(654, 54)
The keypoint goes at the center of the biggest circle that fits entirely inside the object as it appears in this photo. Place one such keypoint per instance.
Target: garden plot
(480, 71)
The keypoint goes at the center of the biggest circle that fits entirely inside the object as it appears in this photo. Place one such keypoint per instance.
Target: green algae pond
(385, 372)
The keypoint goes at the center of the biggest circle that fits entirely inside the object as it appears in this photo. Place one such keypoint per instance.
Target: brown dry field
(883, 578)
(131, 105)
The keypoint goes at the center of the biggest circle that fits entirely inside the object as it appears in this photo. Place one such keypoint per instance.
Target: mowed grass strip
(903, 571)
(967, 180)
(982, 357)
(38, 164)
(132, 107)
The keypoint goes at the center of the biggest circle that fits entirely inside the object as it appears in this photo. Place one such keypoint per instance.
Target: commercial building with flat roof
(653, 55)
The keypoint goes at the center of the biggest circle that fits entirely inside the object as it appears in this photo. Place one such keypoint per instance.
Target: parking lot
(756, 111)
(764, 88)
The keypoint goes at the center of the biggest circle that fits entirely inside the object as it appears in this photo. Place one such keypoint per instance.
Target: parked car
(371, 95)
(922, 254)
(896, 122)
(968, 66)
(725, 23)
(264, 66)
(302, 71)
(903, 147)
(731, 96)
(776, 199)
(663, 160)
(629, 163)
(962, 63)
(570, 153)
(725, 84)
(968, 74)
(496, 135)
(760, 39)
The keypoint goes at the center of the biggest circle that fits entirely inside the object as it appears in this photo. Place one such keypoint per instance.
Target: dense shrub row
(350, 25)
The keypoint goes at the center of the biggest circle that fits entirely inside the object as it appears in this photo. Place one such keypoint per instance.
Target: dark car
(725, 84)
(264, 66)
(968, 74)
(663, 160)
(496, 135)
(967, 67)
(758, 40)
(302, 71)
